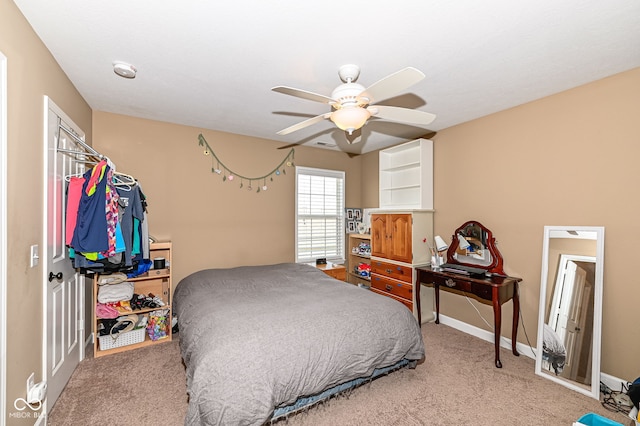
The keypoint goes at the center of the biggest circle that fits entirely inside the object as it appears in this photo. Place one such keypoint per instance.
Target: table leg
(437, 292)
(497, 323)
(417, 289)
(516, 319)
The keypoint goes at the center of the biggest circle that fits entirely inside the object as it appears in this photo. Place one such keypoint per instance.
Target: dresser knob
(450, 283)
(388, 287)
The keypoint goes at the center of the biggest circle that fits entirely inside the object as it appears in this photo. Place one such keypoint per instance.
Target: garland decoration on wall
(219, 168)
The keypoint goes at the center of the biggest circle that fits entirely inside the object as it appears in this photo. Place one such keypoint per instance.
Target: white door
(565, 300)
(576, 323)
(569, 311)
(63, 295)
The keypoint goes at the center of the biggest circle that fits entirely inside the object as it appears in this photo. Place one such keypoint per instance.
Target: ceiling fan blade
(402, 115)
(392, 85)
(304, 94)
(305, 123)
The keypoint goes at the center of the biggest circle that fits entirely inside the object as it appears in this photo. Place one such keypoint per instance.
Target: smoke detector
(124, 70)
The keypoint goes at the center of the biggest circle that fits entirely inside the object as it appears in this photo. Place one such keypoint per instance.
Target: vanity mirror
(473, 245)
(570, 313)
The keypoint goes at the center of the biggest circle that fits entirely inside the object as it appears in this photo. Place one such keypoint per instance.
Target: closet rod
(78, 141)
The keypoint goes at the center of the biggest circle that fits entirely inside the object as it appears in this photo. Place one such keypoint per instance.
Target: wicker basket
(122, 339)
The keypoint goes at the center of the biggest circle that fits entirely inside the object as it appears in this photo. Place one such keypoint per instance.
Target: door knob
(53, 276)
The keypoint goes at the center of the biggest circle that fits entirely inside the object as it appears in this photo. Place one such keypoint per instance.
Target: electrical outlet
(30, 382)
(37, 393)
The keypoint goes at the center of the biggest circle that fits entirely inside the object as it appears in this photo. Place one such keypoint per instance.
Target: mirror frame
(592, 390)
(496, 258)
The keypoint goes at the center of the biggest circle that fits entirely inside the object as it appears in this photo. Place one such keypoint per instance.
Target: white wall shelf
(406, 176)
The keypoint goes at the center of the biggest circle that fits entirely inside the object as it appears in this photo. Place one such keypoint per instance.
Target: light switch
(35, 256)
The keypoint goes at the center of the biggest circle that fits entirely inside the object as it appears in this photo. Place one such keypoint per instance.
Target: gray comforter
(258, 337)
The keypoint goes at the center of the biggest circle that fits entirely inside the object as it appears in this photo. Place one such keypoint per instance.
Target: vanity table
(472, 245)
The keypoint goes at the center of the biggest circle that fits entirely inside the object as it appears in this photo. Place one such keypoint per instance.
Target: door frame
(3, 236)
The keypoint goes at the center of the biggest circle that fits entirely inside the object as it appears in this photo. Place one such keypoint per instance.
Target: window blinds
(319, 214)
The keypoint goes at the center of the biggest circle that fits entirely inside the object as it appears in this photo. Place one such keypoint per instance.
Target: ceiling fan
(352, 104)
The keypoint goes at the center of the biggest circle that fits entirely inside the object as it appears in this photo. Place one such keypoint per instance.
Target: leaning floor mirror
(570, 315)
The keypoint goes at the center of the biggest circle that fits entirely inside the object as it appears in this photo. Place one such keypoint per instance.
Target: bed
(260, 342)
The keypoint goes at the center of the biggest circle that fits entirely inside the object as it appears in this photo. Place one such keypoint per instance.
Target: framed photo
(351, 226)
(349, 214)
(357, 214)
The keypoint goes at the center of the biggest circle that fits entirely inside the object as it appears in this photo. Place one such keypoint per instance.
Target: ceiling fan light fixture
(350, 118)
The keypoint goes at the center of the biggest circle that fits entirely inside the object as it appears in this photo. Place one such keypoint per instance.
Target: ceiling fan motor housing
(347, 93)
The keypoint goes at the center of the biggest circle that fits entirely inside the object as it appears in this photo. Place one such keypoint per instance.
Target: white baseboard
(486, 335)
(613, 382)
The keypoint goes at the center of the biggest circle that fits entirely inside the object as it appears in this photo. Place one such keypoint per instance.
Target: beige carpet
(456, 385)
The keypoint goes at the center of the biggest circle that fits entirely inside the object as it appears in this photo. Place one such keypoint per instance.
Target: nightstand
(339, 272)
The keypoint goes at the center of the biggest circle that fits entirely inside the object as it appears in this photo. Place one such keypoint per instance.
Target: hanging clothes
(74, 193)
(130, 208)
(103, 224)
(90, 234)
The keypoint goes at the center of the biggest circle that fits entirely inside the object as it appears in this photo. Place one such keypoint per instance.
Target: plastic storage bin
(122, 339)
(592, 419)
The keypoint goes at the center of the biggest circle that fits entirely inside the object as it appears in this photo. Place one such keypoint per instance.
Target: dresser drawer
(395, 287)
(480, 290)
(399, 272)
(405, 302)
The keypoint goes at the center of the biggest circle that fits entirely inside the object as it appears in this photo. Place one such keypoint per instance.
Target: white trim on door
(3, 237)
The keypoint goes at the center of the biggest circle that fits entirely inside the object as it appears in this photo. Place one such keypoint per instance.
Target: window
(319, 214)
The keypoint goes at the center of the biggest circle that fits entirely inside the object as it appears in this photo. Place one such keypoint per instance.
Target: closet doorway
(63, 286)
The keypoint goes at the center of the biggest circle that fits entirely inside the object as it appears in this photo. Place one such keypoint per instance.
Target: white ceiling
(212, 64)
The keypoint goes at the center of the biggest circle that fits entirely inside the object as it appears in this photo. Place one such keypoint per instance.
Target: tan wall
(32, 73)
(568, 159)
(214, 223)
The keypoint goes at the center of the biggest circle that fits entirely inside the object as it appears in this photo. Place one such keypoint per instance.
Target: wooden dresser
(397, 249)
(393, 280)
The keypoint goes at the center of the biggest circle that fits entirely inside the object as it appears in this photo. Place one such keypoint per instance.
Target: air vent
(328, 144)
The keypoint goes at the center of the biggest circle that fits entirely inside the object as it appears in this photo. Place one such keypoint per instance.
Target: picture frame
(351, 226)
(349, 214)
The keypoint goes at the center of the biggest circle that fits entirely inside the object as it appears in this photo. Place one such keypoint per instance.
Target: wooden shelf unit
(156, 281)
(356, 258)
